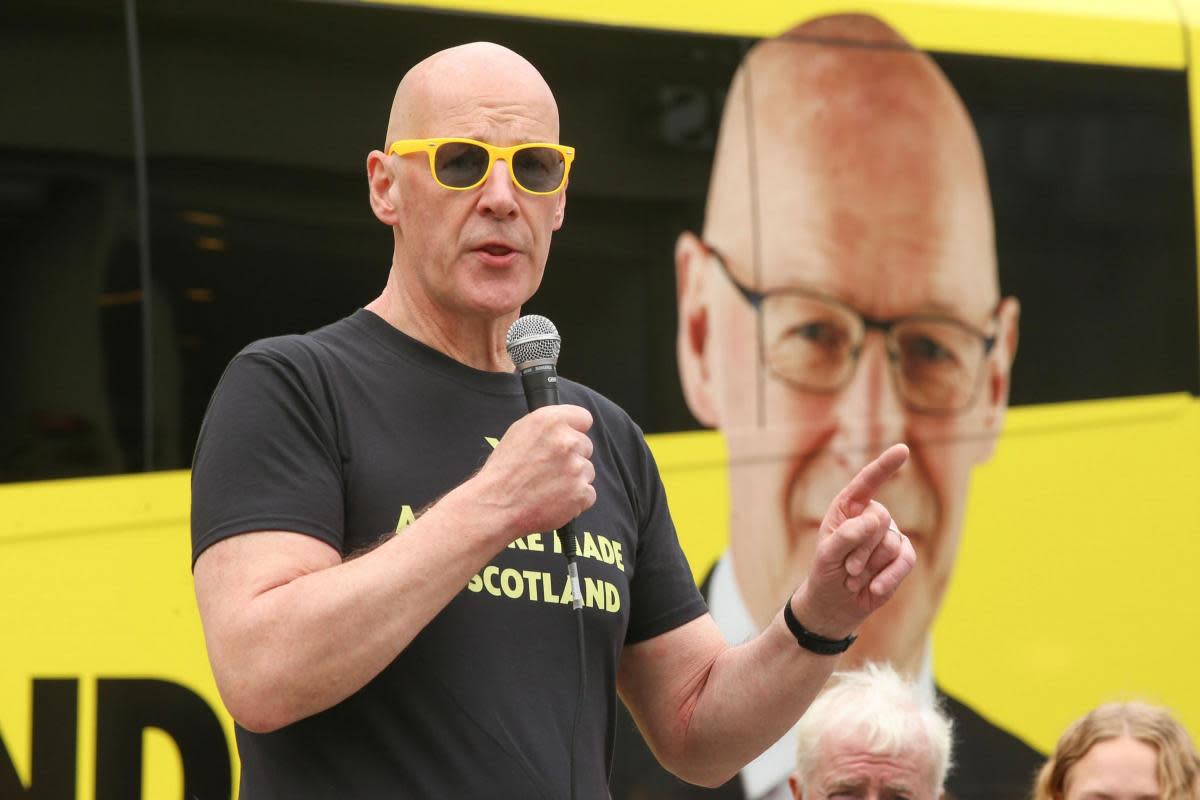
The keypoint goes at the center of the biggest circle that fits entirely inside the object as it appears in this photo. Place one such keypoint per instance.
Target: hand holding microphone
(533, 344)
(541, 470)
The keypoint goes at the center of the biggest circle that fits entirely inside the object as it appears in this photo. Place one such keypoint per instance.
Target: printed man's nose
(869, 409)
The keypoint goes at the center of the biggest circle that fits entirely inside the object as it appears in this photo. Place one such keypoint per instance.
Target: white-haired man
(871, 736)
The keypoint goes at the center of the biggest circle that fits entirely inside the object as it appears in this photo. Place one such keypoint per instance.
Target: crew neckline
(414, 351)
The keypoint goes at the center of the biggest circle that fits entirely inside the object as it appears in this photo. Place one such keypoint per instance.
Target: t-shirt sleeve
(664, 593)
(267, 455)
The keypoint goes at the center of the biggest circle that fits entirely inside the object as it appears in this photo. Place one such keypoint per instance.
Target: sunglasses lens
(460, 164)
(538, 169)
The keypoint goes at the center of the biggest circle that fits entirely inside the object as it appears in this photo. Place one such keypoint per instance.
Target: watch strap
(810, 641)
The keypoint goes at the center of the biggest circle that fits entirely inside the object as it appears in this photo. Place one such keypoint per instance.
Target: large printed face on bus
(843, 297)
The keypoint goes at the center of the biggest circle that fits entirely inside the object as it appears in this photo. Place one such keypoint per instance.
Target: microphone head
(532, 340)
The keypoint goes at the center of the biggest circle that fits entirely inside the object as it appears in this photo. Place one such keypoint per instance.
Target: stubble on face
(868, 186)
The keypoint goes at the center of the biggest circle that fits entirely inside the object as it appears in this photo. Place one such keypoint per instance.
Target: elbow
(263, 724)
(714, 780)
(686, 751)
(695, 765)
(257, 717)
(256, 710)
(708, 775)
(255, 696)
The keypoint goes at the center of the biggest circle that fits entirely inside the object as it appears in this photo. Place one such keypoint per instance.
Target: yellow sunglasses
(461, 164)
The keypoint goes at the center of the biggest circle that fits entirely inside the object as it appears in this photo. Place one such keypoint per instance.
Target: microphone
(533, 345)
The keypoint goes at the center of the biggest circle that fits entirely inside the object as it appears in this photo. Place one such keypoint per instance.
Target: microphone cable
(570, 547)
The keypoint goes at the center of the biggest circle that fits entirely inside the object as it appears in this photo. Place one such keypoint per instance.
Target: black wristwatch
(811, 641)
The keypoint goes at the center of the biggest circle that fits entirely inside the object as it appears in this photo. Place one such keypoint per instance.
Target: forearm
(297, 646)
(708, 709)
(741, 702)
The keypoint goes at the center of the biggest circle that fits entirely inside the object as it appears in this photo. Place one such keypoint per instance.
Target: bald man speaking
(843, 296)
(384, 611)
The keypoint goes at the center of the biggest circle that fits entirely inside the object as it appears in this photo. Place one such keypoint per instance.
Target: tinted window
(70, 379)
(259, 117)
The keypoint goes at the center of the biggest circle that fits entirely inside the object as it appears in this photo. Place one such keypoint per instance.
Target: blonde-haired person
(1122, 751)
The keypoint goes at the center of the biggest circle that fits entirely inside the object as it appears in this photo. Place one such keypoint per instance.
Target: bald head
(851, 142)
(466, 255)
(450, 86)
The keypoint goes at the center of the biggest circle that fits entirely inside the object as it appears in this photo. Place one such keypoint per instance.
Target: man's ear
(693, 345)
(999, 369)
(379, 187)
(560, 209)
(797, 789)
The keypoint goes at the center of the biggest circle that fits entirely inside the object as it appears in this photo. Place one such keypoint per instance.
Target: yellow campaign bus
(174, 190)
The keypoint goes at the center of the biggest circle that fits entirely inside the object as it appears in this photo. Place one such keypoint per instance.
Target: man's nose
(498, 194)
(870, 411)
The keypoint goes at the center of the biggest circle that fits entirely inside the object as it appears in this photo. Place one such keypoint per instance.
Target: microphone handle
(541, 389)
(541, 386)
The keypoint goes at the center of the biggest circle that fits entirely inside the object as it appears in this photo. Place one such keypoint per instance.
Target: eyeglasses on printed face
(461, 164)
(814, 342)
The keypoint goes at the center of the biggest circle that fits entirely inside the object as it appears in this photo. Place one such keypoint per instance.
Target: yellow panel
(92, 505)
(162, 766)
(693, 466)
(95, 581)
(1129, 32)
(1075, 582)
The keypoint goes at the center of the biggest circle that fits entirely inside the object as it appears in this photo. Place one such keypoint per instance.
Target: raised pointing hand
(862, 556)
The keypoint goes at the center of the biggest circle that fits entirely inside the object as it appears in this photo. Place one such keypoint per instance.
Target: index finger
(861, 489)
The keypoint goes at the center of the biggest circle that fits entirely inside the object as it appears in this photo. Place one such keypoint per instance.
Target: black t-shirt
(344, 434)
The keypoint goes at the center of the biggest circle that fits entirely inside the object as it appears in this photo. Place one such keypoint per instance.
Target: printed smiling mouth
(810, 526)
